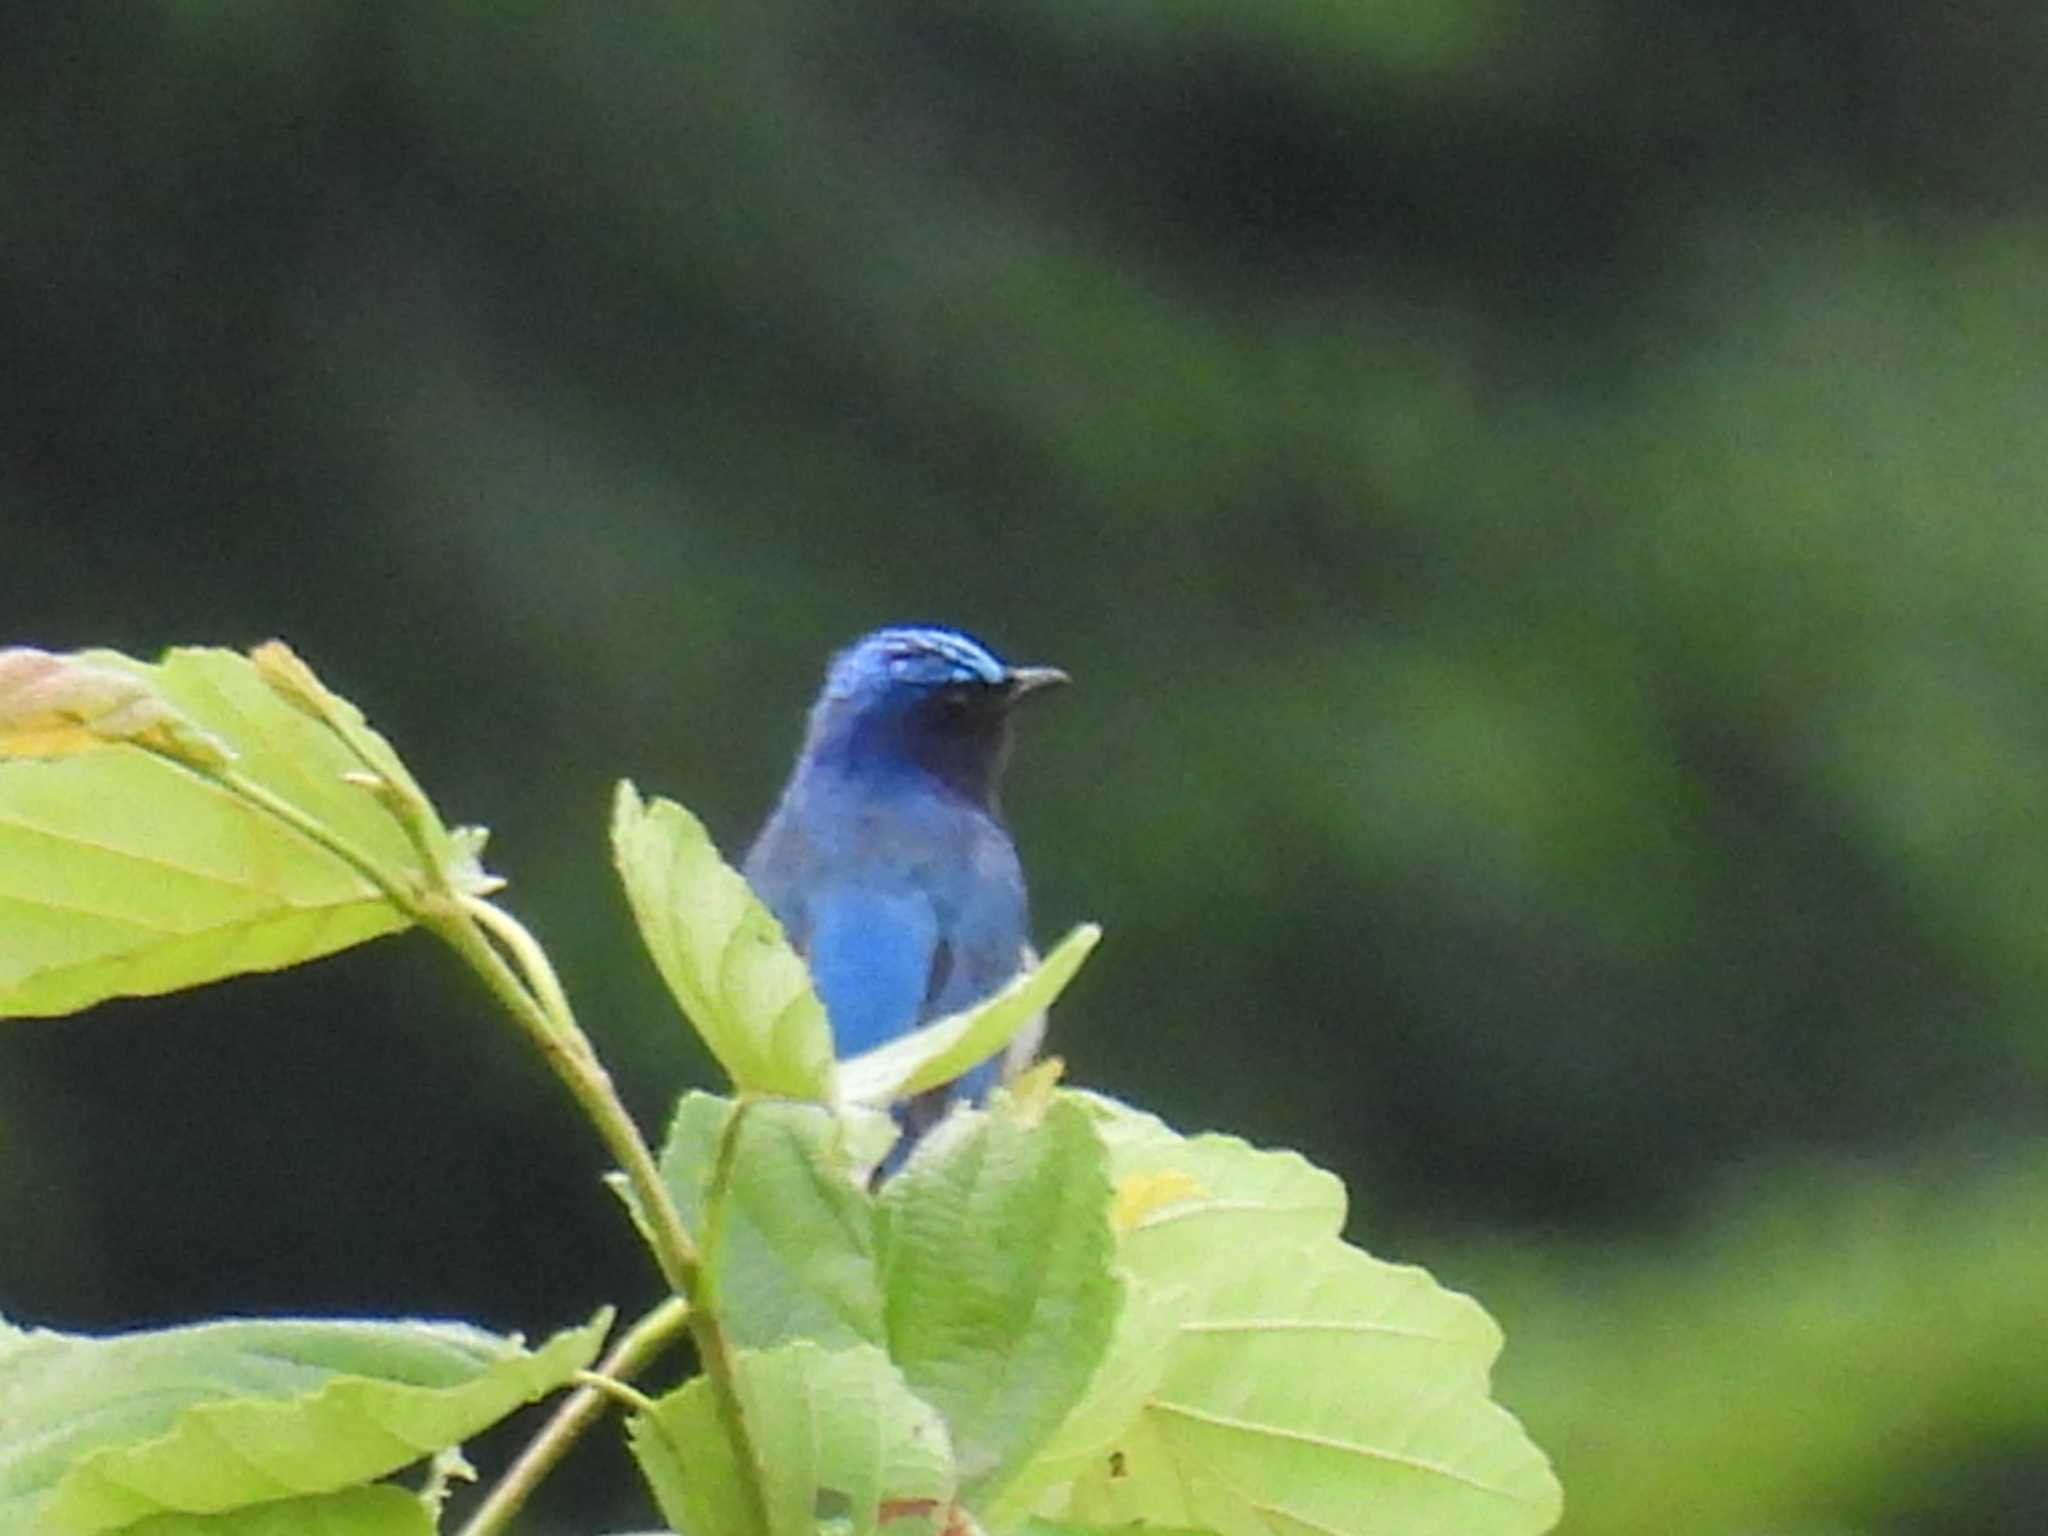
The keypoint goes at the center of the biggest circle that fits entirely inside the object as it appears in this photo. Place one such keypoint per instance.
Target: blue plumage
(887, 861)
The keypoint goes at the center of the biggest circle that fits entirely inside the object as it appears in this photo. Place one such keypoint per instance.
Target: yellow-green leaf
(998, 1280)
(723, 956)
(97, 1434)
(215, 829)
(837, 1433)
(792, 1255)
(294, 682)
(1309, 1386)
(379, 1511)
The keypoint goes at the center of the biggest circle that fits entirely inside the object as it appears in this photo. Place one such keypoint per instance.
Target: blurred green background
(1543, 500)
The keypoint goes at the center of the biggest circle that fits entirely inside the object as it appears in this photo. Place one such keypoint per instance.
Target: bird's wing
(974, 1084)
(872, 954)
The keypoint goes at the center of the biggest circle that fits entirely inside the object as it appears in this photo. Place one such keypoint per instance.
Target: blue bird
(886, 861)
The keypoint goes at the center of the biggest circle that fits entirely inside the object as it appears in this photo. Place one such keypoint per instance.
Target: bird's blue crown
(928, 656)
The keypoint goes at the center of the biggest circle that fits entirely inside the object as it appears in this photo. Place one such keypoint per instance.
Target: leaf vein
(156, 861)
(1326, 1442)
(1208, 1207)
(1312, 1325)
(1293, 1517)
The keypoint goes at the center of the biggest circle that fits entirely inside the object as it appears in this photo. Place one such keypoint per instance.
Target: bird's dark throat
(963, 748)
(960, 744)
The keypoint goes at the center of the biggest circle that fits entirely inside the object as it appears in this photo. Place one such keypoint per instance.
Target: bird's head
(922, 700)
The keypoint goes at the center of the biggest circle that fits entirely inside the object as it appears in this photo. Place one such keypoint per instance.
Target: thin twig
(618, 1391)
(533, 960)
(568, 1051)
(578, 1411)
(534, 997)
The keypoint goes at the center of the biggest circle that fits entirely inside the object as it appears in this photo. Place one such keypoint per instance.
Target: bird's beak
(1023, 680)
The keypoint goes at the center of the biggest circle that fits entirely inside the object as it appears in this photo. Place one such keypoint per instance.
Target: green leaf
(793, 1256)
(1311, 1387)
(721, 953)
(97, 1434)
(320, 755)
(454, 851)
(1067, 1528)
(942, 1050)
(352, 1512)
(838, 1434)
(996, 1256)
(1139, 1351)
(293, 681)
(142, 865)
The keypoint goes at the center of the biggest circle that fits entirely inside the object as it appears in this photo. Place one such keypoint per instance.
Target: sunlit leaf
(838, 1434)
(794, 1254)
(997, 1277)
(721, 953)
(352, 1512)
(97, 1434)
(1310, 1386)
(942, 1050)
(130, 870)
(1138, 1195)
(1088, 1439)
(455, 850)
(1069, 1528)
(293, 681)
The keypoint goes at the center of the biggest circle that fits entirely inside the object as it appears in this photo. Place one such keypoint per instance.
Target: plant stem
(539, 1005)
(534, 997)
(398, 891)
(616, 1390)
(533, 960)
(640, 1344)
(568, 1051)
